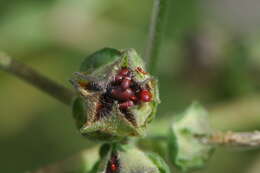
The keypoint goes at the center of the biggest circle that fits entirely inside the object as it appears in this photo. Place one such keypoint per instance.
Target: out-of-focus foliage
(205, 56)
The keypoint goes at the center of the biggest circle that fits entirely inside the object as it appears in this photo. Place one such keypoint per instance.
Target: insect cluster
(127, 91)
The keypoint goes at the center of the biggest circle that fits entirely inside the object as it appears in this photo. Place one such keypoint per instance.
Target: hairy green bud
(129, 159)
(117, 97)
(186, 150)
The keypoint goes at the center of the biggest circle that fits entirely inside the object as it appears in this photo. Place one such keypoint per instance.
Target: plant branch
(36, 79)
(155, 34)
(228, 139)
(233, 139)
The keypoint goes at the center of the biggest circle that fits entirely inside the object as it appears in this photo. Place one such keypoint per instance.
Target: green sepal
(78, 109)
(99, 59)
(111, 128)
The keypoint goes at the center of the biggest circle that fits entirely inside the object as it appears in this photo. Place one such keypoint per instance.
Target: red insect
(126, 105)
(126, 83)
(139, 69)
(134, 98)
(124, 72)
(122, 95)
(145, 96)
(113, 167)
(118, 78)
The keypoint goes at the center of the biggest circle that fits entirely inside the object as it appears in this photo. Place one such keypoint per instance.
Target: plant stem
(155, 34)
(227, 139)
(234, 139)
(36, 79)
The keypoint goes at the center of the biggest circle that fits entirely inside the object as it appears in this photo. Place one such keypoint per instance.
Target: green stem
(155, 34)
(36, 79)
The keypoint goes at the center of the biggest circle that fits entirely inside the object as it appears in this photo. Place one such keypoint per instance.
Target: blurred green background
(210, 53)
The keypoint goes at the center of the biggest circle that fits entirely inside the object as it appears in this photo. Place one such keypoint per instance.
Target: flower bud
(187, 152)
(117, 98)
(129, 159)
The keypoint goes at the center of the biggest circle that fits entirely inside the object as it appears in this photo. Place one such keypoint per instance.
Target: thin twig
(234, 139)
(155, 34)
(36, 79)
